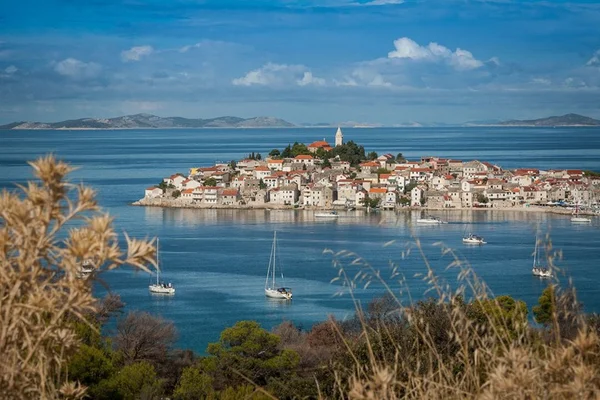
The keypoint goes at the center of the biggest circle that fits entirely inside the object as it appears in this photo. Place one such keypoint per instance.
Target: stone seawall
(179, 203)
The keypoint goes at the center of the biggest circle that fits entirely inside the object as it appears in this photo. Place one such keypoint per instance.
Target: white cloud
(541, 81)
(279, 75)
(76, 69)
(11, 69)
(136, 53)
(309, 79)
(406, 48)
(595, 60)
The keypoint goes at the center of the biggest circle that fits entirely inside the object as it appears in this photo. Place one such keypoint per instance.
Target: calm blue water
(218, 258)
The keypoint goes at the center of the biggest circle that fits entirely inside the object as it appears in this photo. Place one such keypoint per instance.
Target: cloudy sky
(387, 61)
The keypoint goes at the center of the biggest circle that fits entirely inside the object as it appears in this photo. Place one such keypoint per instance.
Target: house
(435, 199)
(261, 172)
(390, 199)
(275, 165)
(230, 197)
(285, 195)
(187, 194)
(175, 180)
(377, 193)
(416, 195)
(369, 166)
(271, 181)
(153, 192)
(321, 144)
(304, 159)
(190, 184)
(319, 196)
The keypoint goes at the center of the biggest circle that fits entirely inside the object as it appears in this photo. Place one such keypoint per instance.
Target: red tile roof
(304, 157)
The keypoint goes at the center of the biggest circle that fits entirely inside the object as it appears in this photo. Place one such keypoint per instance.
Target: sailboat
(160, 287)
(537, 269)
(577, 218)
(271, 289)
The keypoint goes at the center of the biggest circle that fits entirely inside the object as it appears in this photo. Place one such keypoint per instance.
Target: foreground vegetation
(457, 344)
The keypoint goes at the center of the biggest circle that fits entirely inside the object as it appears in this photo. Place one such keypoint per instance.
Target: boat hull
(541, 272)
(580, 219)
(326, 215)
(429, 222)
(276, 294)
(161, 290)
(473, 241)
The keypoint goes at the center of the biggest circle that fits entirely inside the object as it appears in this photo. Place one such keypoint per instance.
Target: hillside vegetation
(457, 344)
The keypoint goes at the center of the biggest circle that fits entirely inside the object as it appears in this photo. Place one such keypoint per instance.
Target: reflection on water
(278, 303)
(195, 217)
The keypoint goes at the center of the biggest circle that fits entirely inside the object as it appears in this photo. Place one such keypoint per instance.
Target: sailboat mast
(535, 251)
(274, 256)
(157, 261)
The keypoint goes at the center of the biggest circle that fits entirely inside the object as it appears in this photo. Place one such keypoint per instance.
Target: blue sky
(369, 61)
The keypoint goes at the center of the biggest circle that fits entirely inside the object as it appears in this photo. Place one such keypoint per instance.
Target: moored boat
(326, 214)
(271, 290)
(430, 219)
(473, 239)
(537, 269)
(160, 287)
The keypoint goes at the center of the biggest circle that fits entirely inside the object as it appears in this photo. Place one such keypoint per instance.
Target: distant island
(563, 120)
(150, 121)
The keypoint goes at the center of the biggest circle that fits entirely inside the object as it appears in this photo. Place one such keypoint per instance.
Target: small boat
(160, 287)
(326, 214)
(577, 218)
(537, 269)
(271, 290)
(429, 219)
(473, 239)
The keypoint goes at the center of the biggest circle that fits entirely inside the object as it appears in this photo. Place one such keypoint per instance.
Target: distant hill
(153, 121)
(563, 120)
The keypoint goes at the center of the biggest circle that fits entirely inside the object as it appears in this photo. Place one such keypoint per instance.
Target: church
(323, 144)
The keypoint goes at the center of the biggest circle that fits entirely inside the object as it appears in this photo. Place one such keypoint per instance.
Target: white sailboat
(577, 218)
(539, 270)
(326, 214)
(160, 287)
(271, 289)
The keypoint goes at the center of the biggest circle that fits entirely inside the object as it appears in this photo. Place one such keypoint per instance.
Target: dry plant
(465, 344)
(47, 231)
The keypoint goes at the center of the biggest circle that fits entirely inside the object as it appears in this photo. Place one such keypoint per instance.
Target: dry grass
(46, 232)
(465, 344)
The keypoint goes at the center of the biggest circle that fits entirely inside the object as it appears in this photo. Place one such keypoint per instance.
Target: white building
(339, 137)
(153, 192)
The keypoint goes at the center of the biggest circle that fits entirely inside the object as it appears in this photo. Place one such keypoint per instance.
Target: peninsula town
(320, 176)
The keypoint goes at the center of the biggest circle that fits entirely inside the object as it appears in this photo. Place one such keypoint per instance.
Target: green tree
(481, 198)
(400, 157)
(405, 201)
(176, 194)
(262, 184)
(326, 163)
(299, 149)
(232, 164)
(162, 185)
(322, 154)
(136, 380)
(210, 182)
(246, 392)
(503, 312)
(248, 350)
(287, 152)
(410, 187)
(546, 306)
(372, 155)
(382, 171)
(90, 365)
(350, 152)
(194, 384)
(274, 153)
(258, 156)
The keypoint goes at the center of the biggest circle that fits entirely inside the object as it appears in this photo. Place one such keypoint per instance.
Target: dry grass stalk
(452, 349)
(46, 232)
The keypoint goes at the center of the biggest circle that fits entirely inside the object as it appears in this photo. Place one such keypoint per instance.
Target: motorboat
(579, 218)
(473, 239)
(431, 220)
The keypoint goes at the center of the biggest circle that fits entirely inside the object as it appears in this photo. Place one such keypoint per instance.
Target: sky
(367, 61)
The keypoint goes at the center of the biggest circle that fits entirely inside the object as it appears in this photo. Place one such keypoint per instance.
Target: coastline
(162, 203)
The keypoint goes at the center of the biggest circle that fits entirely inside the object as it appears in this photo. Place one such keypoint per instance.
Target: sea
(218, 259)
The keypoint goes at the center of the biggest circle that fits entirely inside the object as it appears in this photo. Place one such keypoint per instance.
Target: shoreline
(160, 203)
